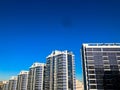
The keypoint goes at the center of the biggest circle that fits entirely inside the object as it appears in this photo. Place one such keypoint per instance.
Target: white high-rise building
(22, 80)
(60, 71)
(5, 85)
(36, 77)
(12, 83)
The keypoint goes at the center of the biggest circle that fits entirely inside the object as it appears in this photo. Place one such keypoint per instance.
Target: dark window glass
(93, 87)
(106, 67)
(91, 67)
(118, 58)
(92, 81)
(98, 67)
(114, 67)
(97, 54)
(105, 58)
(91, 71)
(90, 62)
(111, 49)
(100, 87)
(118, 54)
(104, 54)
(111, 80)
(98, 72)
(118, 62)
(112, 58)
(100, 81)
(98, 60)
(96, 49)
(89, 53)
(89, 58)
(106, 62)
(99, 76)
(91, 76)
(88, 49)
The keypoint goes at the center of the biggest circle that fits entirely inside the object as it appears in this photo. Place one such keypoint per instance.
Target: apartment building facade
(36, 77)
(12, 83)
(22, 80)
(60, 71)
(5, 85)
(101, 66)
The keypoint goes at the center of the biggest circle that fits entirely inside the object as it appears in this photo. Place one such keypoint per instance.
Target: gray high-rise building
(36, 77)
(101, 66)
(12, 83)
(22, 80)
(60, 71)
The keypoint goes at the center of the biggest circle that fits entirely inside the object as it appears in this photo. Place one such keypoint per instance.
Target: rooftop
(101, 44)
(24, 72)
(57, 52)
(36, 64)
(13, 78)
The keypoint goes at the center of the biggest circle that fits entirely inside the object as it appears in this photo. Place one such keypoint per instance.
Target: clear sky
(31, 29)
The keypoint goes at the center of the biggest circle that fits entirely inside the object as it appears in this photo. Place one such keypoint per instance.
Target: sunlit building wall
(5, 85)
(36, 77)
(60, 71)
(22, 80)
(12, 83)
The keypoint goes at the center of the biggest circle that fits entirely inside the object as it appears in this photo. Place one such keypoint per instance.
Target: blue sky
(31, 29)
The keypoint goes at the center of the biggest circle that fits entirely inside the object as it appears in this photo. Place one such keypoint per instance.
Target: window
(89, 53)
(106, 67)
(93, 87)
(112, 58)
(92, 81)
(98, 72)
(104, 54)
(91, 72)
(91, 76)
(111, 49)
(118, 54)
(90, 67)
(118, 58)
(106, 62)
(96, 49)
(98, 60)
(99, 76)
(88, 49)
(105, 58)
(99, 86)
(89, 58)
(90, 62)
